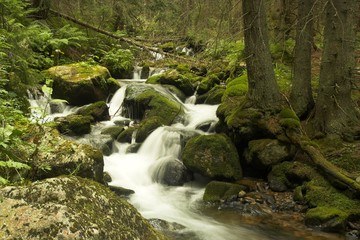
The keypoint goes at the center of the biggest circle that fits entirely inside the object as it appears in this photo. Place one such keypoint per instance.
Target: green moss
(147, 126)
(214, 95)
(173, 77)
(288, 113)
(213, 156)
(74, 124)
(236, 87)
(98, 111)
(216, 191)
(113, 131)
(168, 47)
(207, 83)
(183, 68)
(126, 135)
(290, 123)
(327, 218)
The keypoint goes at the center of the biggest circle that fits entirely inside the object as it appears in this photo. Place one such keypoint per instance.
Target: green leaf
(13, 164)
(47, 90)
(59, 101)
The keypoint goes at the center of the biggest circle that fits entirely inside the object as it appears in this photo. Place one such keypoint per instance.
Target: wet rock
(173, 230)
(80, 83)
(216, 191)
(212, 156)
(173, 77)
(101, 142)
(99, 111)
(74, 125)
(152, 106)
(171, 171)
(113, 131)
(121, 191)
(69, 208)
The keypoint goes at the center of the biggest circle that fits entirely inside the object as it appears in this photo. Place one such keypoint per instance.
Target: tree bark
(301, 97)
(334, 109)
(262, 87)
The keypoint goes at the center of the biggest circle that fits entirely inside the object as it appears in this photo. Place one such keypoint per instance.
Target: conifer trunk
(263, 91)
(301, 97)
(334, 109)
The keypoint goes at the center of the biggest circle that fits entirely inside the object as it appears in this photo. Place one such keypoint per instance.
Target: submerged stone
(69, 208)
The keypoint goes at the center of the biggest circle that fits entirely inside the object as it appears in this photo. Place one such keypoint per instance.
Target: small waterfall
(116, 102)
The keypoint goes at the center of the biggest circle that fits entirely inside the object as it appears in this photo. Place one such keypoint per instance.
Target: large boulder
(173, 77)
(81, 83)
(213, 156)
(69, 208)
(55, 156)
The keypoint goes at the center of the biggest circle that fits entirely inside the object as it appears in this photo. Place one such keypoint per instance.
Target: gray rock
(69, 208)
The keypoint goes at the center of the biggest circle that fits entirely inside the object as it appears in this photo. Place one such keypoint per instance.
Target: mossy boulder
(126, 135)
(69, 208)
(80, 83)
(331, 209)
(213, 156)
(208, 83)
(150, 106)
(173, 77)
(55, 156)
(214, 96)
(216, 191)
(74, 124)
(168, 47)
(99, 111)
(262, 154)
(288, 175)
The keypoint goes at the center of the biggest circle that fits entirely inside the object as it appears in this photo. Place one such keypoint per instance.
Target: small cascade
(116, 102)
(192, 99)
(43, 110)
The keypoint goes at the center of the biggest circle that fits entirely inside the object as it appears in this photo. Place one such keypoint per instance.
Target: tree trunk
(263, 91)
(334, 110)
(301, 92)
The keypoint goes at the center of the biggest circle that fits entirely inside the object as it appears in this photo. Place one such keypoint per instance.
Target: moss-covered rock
(74, 124)
(262, 154)
(331, 209)
(173, 77)
(80, 83)
(213, 156)
(216, 191)
(288, 175)
(126, 136)
(152, 107)
(55, 156)
(214, 96)
(113, 131)
(99, 111)
(208, 83)
(69, 208)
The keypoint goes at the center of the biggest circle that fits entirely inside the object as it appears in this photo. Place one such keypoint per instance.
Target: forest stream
(143, 170)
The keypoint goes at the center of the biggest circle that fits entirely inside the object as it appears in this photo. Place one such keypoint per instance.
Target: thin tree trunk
(301, 97)
(334, 110)
(263, 90)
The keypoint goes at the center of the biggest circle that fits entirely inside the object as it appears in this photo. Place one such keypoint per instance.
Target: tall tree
(301, 97)
(263, 90)
(334, 110)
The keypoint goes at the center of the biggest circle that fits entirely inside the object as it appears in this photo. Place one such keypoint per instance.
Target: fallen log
(334, 174)
(121, 38)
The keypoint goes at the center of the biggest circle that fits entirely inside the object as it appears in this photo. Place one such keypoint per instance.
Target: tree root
(334, 174)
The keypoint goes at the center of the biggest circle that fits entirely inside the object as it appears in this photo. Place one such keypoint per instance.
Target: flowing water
(183, 204)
